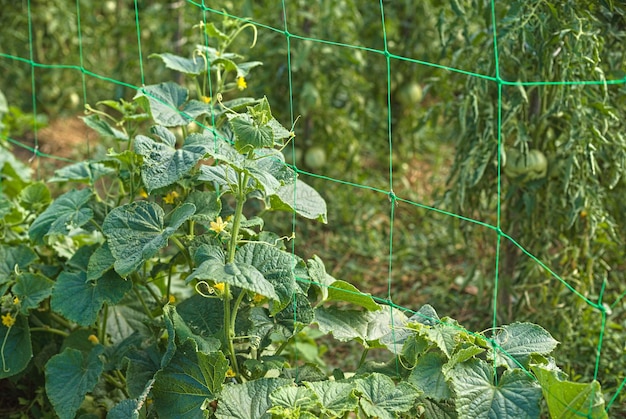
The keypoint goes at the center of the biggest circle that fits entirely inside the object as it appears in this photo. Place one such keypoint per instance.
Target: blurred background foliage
(561, 195)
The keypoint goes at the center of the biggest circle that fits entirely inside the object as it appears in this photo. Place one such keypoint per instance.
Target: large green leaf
(381, 398)
(302, 199)
(444, 335)
(136, 232)
(103, 128)
(87, 297)
(250, 400)
(100, 261)
(84, 171)
(32, 289)
(13, 260)
(519, 341)
(35, 196)
(205, 316)
(67, 211)
(240, 273)
(567, 399)
(130, 408)
(318, 276)
(268, 169)
(128, 316)
(208, 206)
(428, 376)
(291, 397)
(345, 325)
(275, 265)
(264, 326)
(179, 332)
(366, 326)
(163, 164)
(336, 398)
(70, 375)
(17, 349)
(478, 396)
(250, 133)
(168, 104)
(298, 310)
(345, 292)
(224, 176)
(142, 367)
(272, 161)
(194, 66)
(191, 380)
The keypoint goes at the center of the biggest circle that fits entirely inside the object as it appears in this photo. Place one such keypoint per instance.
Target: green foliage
(559, 147)
(161, 294)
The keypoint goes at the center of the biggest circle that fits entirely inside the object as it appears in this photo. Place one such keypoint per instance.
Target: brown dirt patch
(62, 140)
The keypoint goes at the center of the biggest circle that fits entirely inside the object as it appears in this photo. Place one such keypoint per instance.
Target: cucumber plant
(151, 288)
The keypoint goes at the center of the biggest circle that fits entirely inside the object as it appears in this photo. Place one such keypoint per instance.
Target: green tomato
(410, 94)
(315, 157)
(531, 166)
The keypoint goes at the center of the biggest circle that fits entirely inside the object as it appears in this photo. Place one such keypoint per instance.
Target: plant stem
(49, 329)
(103, 327)
(183, 250)
(229, 318)
(111, 380)
(233, 317)
(229, 332)
(241, 199)
(60, 320)
(143, 302)
(363, 357)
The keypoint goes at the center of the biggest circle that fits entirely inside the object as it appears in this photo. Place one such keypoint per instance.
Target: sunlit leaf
(302, 199)
(194, 66)
(519, 341)
(381, 398)
(249, 400)
(479, 396)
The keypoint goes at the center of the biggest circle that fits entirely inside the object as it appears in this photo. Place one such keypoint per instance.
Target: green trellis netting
(120, 67)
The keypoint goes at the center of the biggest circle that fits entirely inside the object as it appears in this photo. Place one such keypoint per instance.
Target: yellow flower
(172, 299)
(219, 286)
(241, 83)
(93, 339)
(258, 298)
(206, 99)
(143, 194)
(230, 373)
(170, 197)
(218, 225)
(16, 300)
(8, 320)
